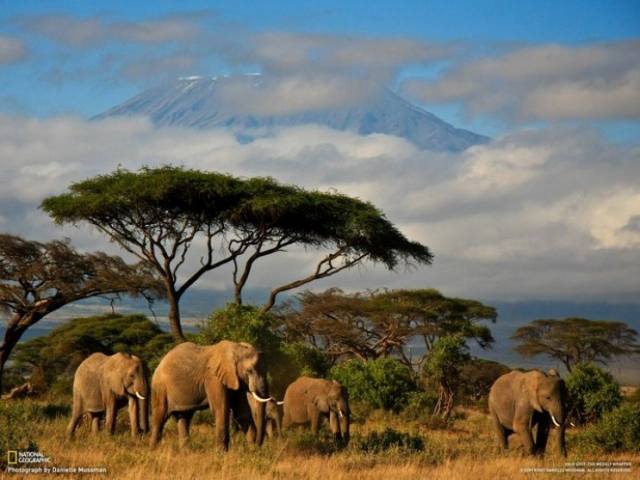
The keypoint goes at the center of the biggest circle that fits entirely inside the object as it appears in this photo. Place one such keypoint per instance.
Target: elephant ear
(318, 396)
(224, 360)
(532, 383)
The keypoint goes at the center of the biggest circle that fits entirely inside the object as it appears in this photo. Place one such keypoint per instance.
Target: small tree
(382, 383)
(477, 377)
(592, 392)
(37, 279)
(443, 368)
(576, 340)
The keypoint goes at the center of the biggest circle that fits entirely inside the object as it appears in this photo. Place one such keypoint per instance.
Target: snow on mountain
(198, 102)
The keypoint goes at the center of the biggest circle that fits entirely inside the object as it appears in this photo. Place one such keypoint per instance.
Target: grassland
(466, 449)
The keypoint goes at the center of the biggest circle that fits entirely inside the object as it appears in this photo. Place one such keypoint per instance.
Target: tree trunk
(15, 328)
(174, 315)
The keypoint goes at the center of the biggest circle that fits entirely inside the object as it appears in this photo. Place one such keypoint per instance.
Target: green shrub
(389, 439)
(617, 430)
(592, 392)
(420, 406)
(382, 383)
(16, 424)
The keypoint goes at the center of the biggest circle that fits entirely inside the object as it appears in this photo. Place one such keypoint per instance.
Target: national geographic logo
(15, 457)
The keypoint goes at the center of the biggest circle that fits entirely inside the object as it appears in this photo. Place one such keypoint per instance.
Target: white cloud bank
(544, 82)
(537, 214)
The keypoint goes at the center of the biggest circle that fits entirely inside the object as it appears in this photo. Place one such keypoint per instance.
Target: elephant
(308, 400)
(518, 401)
(192, 377)
(104, 384)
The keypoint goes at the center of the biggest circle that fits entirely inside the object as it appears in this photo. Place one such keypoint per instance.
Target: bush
(618, 430)
(419, 407)
(16, 425)
(389, 439)
(592, 392)
(381, 383)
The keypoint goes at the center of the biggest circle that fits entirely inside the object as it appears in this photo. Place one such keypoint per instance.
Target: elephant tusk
(554, 421)
(340, 413)
(140, 396)
(260, 399)
(280, 403)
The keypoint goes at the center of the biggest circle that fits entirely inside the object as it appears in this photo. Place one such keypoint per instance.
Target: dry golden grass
(465, 451)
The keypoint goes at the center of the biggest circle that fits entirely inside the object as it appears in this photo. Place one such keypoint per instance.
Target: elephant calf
(104, 384)
(308, 400)
(519, 401)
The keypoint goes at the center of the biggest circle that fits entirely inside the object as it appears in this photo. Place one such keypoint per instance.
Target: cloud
(546, 82)
(12, 50)
(89, 32)
(536, 214)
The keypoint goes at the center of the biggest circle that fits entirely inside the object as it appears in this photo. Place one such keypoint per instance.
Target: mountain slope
(195, 102)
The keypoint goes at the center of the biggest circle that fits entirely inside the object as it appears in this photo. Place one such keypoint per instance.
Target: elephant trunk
(143, 397)
(344, 427)
(259, 389)
(144, 415)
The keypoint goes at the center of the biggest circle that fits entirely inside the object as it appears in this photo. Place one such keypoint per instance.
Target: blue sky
(549, 210)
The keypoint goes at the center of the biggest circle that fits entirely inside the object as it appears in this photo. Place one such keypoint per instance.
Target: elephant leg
(159, 417)
(96, 418)
(76, 418)
(315, 419)
(501, 432)
(542, 436)
(184, 422)
(158, 421)
(112, 413)
(524, 432)
(220, 404)
(134, 418)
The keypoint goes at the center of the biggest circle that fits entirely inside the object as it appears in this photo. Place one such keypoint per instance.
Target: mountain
(196, 102)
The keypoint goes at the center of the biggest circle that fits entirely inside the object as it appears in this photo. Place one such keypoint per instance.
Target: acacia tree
(576, 340)
(379, 324)
(444, 365)
(166, 215)
(36, 279)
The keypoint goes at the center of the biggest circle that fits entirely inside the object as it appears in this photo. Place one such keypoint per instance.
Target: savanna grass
(465, 449)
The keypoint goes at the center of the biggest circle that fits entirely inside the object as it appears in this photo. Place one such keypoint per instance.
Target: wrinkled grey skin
(104, 384)
(308, 400)
(520, 401)
(192, 377)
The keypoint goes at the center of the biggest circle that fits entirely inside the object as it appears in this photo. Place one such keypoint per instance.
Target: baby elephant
(308, 400)
(104, 384)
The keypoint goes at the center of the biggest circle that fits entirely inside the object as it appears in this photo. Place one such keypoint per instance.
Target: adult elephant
(103, 384)
(518, 401)
(192, 377)
(308, 400)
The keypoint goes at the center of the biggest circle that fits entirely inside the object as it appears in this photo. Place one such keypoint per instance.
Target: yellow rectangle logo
(12, 457)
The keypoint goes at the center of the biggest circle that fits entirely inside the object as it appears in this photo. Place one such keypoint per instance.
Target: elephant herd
(229, 378)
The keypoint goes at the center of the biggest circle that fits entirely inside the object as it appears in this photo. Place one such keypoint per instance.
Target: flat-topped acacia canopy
(157, 213)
